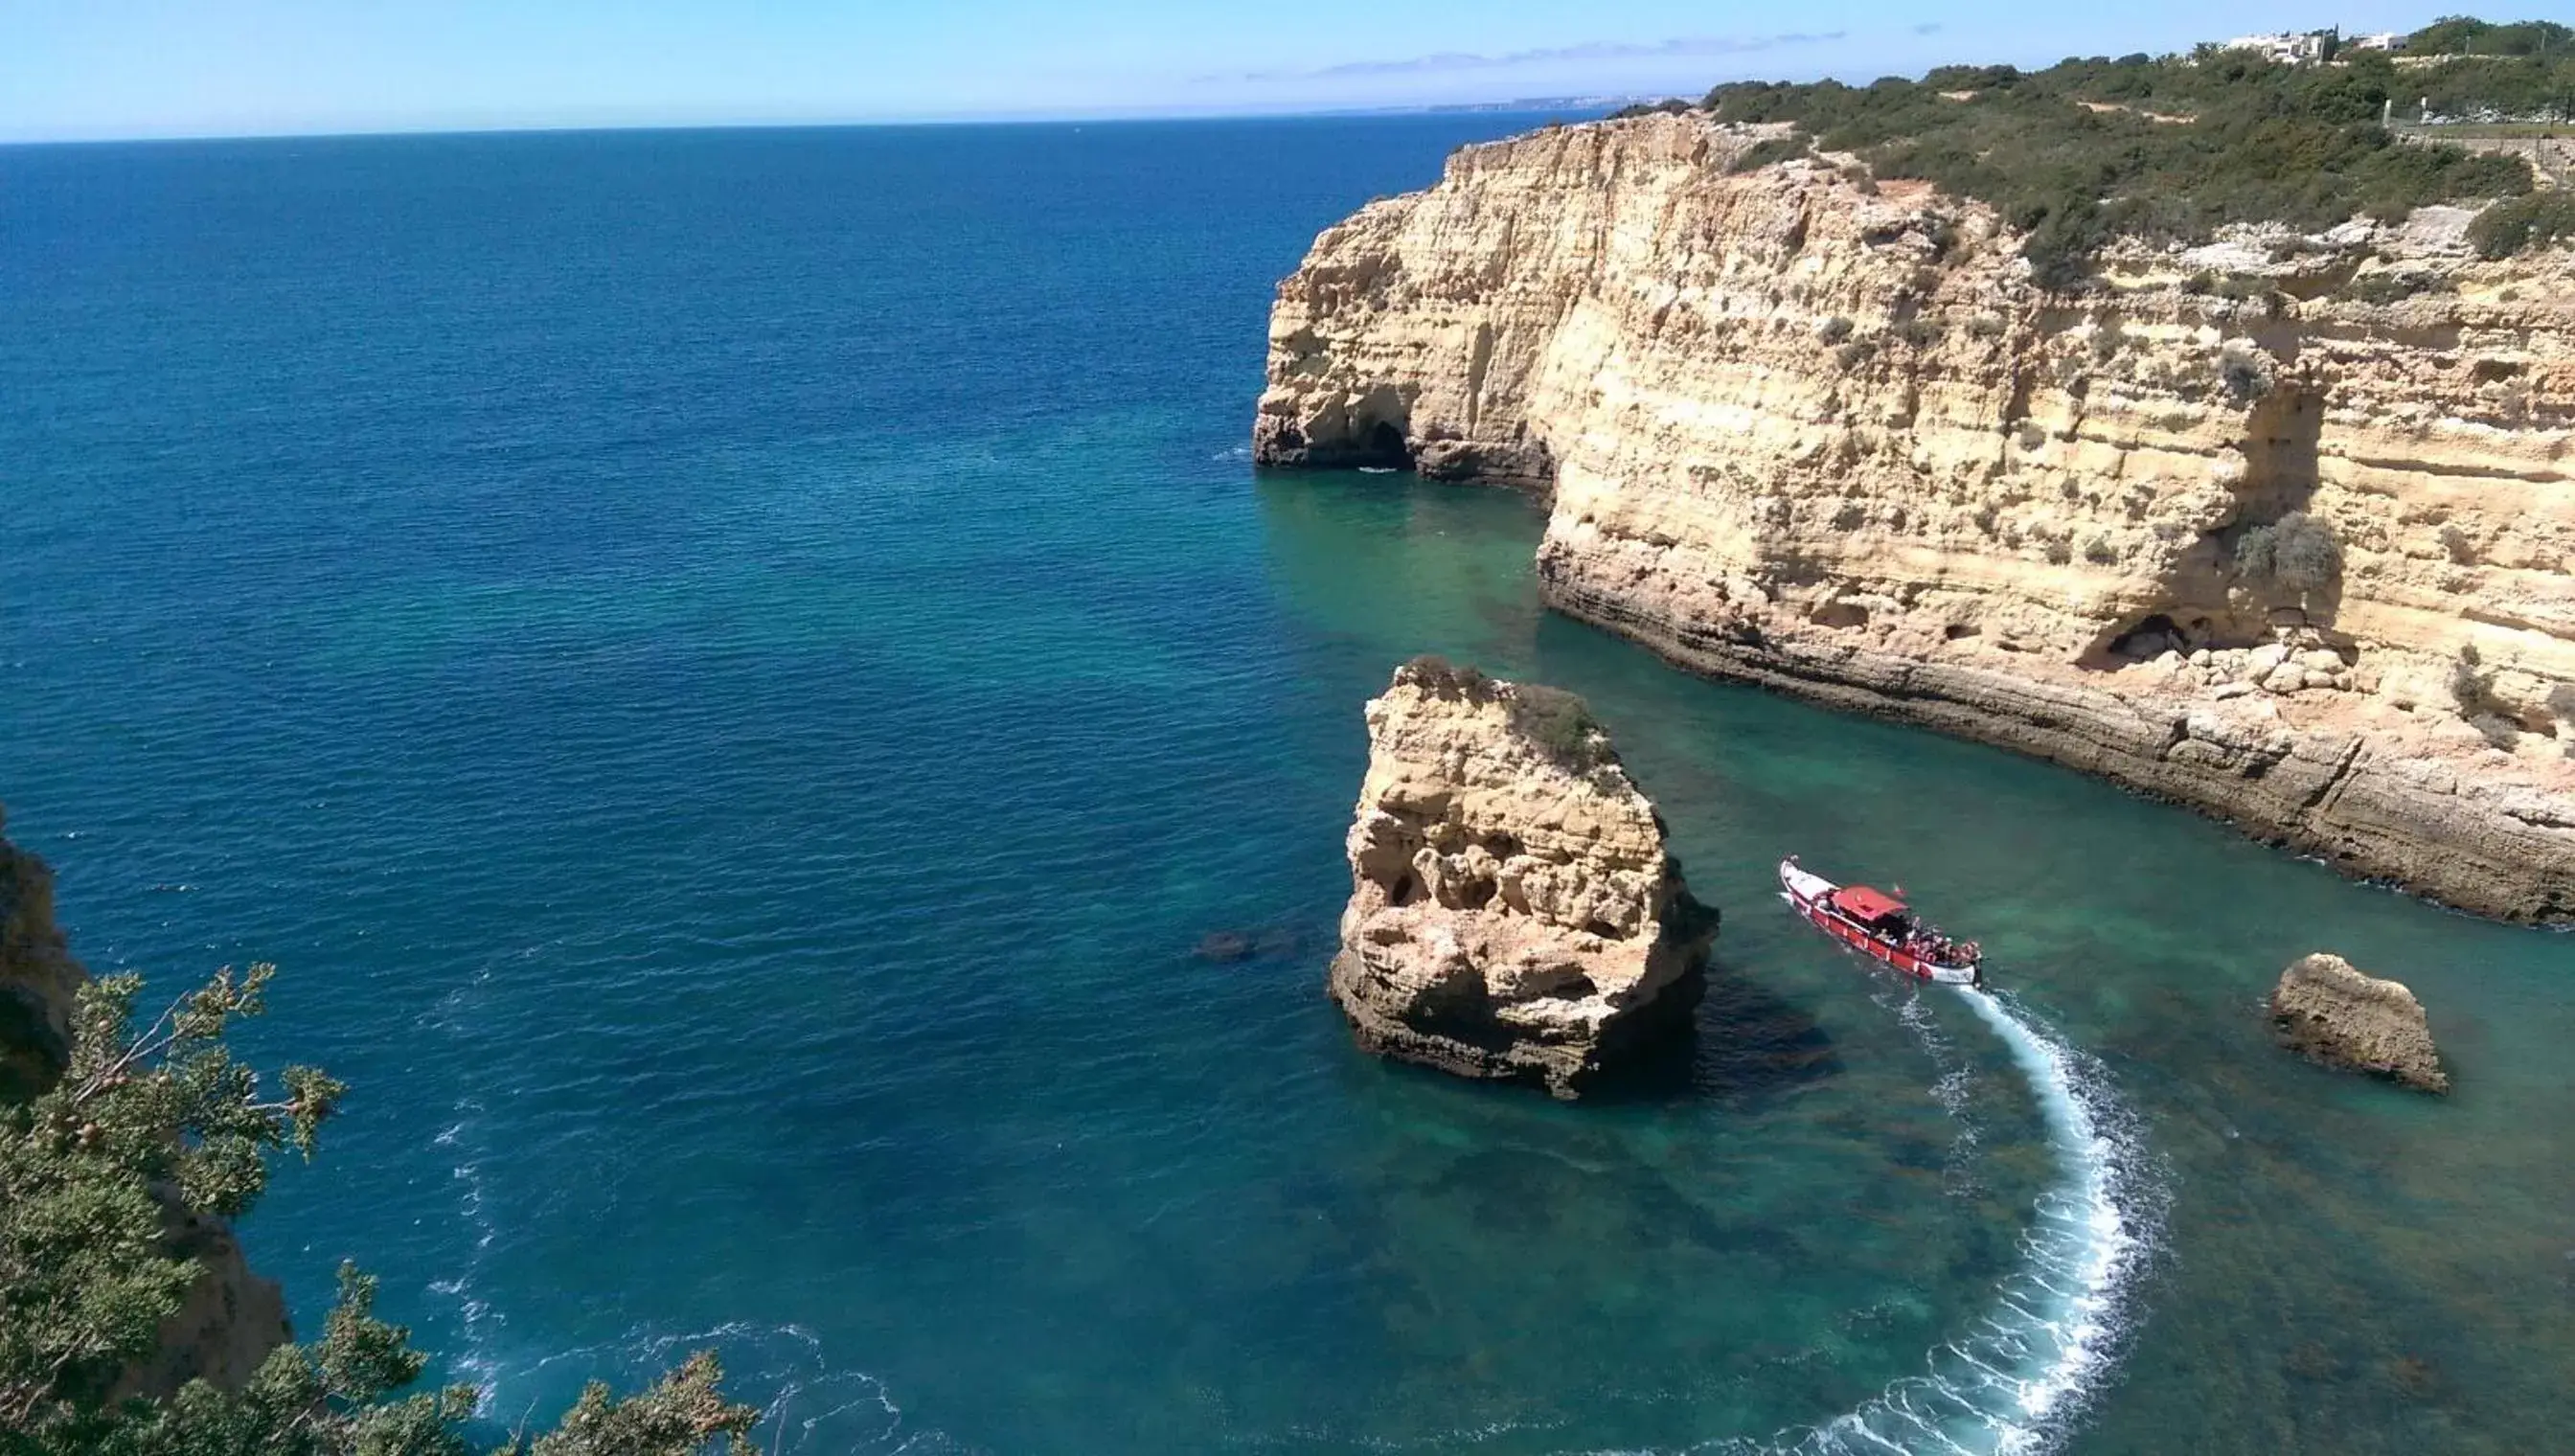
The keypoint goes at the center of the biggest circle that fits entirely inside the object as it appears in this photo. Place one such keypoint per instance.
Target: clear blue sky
(145, 68)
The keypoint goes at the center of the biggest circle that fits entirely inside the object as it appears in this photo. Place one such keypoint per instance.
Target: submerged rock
(1514, 912)
(2325, 1010)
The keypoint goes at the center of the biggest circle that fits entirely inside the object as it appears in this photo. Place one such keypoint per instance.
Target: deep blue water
(733, 668)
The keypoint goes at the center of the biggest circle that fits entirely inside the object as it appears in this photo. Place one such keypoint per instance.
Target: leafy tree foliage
(144, 1127)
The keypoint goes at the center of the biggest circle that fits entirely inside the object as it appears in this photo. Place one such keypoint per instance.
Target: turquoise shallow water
(733, 668)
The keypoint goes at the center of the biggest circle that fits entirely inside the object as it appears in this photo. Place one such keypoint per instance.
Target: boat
(1878, 924)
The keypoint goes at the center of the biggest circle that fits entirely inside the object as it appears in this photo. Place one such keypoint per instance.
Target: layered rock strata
(2325, 1010)
(1823, 433)
(1514, 911)
(231, 1318)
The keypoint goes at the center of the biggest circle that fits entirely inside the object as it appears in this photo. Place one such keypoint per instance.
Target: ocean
(733, 671)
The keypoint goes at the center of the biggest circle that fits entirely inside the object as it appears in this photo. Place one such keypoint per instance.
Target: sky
(95, 69)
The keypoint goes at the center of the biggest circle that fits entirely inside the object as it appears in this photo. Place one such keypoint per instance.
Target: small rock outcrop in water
(1514, 912)
(2335, 1014)
(231, 1318)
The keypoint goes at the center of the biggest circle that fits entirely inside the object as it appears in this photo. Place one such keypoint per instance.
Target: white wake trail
(2011, 1385)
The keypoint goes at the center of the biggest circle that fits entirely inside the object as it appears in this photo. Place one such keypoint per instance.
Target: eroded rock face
(231, 1317)
(2325, 1010)
(1514, 912)
(1833, 441)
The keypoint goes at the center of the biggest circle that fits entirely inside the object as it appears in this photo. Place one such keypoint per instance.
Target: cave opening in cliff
(2173, 628)
(2153, 637)
(1384, 444)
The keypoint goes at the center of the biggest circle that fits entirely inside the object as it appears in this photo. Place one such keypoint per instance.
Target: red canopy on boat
(1862, 902)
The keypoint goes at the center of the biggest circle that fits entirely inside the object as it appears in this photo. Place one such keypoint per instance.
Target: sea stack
(1515, 913)
(2327, 1011)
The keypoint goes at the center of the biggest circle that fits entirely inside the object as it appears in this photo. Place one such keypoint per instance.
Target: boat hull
(1810, 895)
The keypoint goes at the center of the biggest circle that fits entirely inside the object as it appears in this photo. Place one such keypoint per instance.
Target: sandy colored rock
(1514, 911)
(2325, 1010)
(1833, 441)
(231, 1317)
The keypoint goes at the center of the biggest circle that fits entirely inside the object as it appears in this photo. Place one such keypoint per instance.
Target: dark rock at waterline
(2327, 1012)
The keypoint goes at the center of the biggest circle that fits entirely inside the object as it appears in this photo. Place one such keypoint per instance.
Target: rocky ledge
(1514, 911)
(2324, 1010)
(2282, 529)
(231, 1317)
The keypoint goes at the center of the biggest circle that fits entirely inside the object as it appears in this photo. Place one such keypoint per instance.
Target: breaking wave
(2013, 1384)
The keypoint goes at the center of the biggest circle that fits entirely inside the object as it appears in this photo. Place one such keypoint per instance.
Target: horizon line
(1520, 105)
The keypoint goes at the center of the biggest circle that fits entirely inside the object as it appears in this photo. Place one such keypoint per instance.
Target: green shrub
(2245, 375)
(2304, 555)
(2468, 35)
(2297, 552)
(1558, 722)
(2519, 223)
(1768, 151)
(2258, 142)
(1444, 679)
(2254, 554)
(2473, 690)
(1674, 107)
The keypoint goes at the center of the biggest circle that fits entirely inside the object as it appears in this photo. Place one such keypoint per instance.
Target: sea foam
(2014, 1383)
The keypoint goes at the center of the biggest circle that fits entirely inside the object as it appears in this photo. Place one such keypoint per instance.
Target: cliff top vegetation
(2173, 147)
(1558, 722)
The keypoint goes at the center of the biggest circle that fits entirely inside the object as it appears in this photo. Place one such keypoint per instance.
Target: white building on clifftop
(2289, 48)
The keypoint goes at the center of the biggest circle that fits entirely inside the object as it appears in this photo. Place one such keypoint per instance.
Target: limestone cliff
(1825, 435)
(1514, 912)
(2325, 1010)
(231, 1318)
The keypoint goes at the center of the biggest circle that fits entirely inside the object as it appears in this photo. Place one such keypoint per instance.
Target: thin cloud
(1452, 61)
